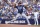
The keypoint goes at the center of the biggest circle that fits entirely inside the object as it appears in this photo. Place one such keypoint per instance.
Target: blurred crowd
(8, 10)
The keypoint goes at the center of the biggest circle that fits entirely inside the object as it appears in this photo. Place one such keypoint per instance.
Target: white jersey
(36, 14)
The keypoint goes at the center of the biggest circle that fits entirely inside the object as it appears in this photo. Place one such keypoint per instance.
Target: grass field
(14, 25)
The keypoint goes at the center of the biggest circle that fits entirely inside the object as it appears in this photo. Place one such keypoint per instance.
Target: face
(19, 4)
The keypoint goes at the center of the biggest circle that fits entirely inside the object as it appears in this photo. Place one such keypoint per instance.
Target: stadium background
(2, 20)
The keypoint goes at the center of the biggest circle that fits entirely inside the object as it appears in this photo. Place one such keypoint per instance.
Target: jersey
(36, 14)
(20, 8)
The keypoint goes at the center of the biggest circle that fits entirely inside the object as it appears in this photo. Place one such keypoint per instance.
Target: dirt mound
(14, 25)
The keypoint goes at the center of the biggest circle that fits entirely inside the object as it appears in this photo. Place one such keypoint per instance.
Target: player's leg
(28, 21)
(37, 21)
(26, 18)
(16, 17)
(24, 15)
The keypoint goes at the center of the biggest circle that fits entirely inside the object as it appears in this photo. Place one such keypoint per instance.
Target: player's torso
(35, 14)
(20, 9)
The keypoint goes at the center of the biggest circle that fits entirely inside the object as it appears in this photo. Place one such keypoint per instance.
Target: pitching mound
(14, 25)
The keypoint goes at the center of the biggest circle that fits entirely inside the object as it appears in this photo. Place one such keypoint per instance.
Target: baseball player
(20, 13)
(36, 16)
